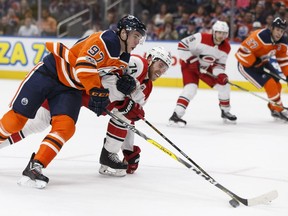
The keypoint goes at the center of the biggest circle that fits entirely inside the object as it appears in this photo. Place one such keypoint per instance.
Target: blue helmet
(130, 23)
(278, 22)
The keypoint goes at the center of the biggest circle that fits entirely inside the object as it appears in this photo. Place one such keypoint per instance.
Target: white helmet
(220, 26)
(160, 53)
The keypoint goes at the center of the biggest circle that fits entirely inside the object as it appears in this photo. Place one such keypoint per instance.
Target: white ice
(249, 158)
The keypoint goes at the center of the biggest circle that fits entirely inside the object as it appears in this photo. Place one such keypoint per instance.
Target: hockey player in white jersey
(145, 71)
(129, 107)
(203, 57)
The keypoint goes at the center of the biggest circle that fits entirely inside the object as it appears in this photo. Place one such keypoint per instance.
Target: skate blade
(27, 182)
(278, 119)
(105, 170)
(178, 124)
(227, 121)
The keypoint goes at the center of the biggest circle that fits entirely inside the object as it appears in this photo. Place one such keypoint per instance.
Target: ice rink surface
(249, 158)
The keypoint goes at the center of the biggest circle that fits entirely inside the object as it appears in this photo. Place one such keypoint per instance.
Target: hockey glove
(99, 99)
(132, 158)
(126, 84)
(222, 79)
(131, 110)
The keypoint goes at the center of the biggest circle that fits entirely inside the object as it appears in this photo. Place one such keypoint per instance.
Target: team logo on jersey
(24, 101)
(208, 59)
(89, 59)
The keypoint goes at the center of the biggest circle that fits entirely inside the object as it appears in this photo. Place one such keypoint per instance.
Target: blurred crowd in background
(165, 19)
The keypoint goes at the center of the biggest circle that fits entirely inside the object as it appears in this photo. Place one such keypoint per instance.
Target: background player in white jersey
(203, 57)
(144, 71)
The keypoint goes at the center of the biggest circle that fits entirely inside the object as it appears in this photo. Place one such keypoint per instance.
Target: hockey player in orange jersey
(61, 78)
(254, 63)
(145, 71)
(203, 57)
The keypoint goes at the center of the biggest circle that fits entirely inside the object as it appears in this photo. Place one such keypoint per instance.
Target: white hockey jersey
(200, 47)
(138, 68)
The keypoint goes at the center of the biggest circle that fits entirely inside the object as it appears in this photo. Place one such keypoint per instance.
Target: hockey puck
(234, 203)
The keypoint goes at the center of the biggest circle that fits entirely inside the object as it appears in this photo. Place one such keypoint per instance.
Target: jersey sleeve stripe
(72, 75)
(79, 70)
(85, 64)
(65, 74)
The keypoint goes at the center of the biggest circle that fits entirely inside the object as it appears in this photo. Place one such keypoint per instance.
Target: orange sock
(10, 123)
(273, 90)
(63, 128)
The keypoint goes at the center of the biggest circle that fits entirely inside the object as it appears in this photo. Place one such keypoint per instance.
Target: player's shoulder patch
(111, 42)
(265, 35)
(90, 59)
(125, 57)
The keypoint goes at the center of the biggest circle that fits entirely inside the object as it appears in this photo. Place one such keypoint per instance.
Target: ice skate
(32, 175)
(280, 115)
(227, 116)
(176, 121)
(111, 164)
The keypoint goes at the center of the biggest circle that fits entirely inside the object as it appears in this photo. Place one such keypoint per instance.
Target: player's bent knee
(13, 122)
(63, 125)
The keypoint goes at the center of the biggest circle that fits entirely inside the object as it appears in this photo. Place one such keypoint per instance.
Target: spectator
(242, 3)
(269, 20)
(11, 22)
(151, 32)
(169, 33)
(206, 25)
(256, 25)
(24, 7)
(281, 12)
(183, 24)
(259, 13)
(244, 26)
(145, 16)
(110, 19)
(160, 16)
(191, 29)
(94, 28)
(47, 24)
(178, 14)
(60, 13)
(28, 29)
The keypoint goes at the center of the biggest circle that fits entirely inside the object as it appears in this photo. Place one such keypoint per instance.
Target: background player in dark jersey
(254, 63)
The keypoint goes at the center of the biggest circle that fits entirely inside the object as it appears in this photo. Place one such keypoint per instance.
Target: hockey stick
(259, 96)
(175, 146)
(266, 70)
(246, 90)
(263, 199)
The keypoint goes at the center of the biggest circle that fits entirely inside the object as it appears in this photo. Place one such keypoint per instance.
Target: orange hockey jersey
(260, 45)
(91, 57)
